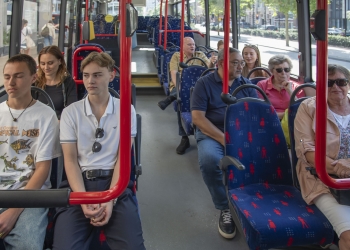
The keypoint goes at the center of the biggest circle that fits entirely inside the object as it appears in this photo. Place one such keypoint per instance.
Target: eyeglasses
(96, 147)
(235, 63)
(279, 70)
(339, 82)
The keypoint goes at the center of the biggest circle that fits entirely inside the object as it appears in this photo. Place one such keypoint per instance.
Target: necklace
(16, 119)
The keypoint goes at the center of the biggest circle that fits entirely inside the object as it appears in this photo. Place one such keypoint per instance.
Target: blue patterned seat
(142, 24)
(255, 80)
(292, 112)
(189, 78)
(272, 212)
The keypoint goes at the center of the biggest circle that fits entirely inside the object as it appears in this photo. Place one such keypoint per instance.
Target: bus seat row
(269, 211)
(142, 24)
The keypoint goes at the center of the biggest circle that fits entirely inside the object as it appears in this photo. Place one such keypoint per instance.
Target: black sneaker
(227, 227)
(166, 102)
(184, 144)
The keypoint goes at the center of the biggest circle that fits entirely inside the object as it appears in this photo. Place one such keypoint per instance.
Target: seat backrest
(189, 77)
(254, 136)
(292, 112)
(255, 80)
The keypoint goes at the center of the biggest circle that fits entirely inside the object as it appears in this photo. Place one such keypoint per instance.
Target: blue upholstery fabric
(271, 211)
(142, 24)
(186, 118)
(277, 216)
(189, 78)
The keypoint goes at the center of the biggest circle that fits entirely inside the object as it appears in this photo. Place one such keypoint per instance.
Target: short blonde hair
(102, 59)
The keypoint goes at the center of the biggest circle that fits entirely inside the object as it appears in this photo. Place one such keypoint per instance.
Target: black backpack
(45, 32)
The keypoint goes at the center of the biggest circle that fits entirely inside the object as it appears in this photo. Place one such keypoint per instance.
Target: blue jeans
(29, 231)
(48, 41)
(210, 152)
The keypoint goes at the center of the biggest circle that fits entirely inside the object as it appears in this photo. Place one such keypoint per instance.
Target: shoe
(184, 144)
(166, 102)
(227, 227)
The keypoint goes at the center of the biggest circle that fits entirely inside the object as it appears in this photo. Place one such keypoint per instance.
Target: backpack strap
(64, 92)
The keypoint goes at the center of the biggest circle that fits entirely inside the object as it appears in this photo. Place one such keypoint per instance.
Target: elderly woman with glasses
(279, 87)
(337, 152)
(251, 56)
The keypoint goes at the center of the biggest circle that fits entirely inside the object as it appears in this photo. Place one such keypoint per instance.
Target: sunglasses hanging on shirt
(96, 147)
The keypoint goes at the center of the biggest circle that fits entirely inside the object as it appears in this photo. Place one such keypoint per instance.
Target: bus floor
(175, 205)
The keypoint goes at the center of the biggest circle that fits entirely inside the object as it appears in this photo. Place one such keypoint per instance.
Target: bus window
(5, 29)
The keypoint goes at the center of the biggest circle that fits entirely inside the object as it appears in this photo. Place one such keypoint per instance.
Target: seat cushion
(275, 216)
(186, 118)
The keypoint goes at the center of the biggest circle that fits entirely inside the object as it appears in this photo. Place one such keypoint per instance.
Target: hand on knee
(344, 242)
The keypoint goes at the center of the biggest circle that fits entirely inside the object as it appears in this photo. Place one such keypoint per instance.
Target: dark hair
(333, 68)
(62, 69)
(102, 59)
(220, 42)
(230, 51)
(24, 22)
(23, 58)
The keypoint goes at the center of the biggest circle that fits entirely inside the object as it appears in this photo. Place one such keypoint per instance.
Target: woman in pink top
(279, 87)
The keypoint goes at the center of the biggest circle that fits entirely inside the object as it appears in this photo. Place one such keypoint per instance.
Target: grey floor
(176, 209)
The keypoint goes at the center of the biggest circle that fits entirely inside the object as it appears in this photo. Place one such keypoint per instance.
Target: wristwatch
(114, 201)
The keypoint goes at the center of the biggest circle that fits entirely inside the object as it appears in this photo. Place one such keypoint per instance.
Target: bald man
(189, 52)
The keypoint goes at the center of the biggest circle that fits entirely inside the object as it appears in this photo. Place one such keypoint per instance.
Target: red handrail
(194, 31)
(321, 106)
(165, 24)
(226, 46)
(125, 124)
(182, 30)
(76, 58)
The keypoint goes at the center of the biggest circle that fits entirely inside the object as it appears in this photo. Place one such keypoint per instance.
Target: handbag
(29, 42)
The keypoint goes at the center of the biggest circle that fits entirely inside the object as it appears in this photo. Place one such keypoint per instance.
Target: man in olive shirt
(189, 52)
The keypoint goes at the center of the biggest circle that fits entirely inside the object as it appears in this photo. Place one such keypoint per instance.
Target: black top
(57, 95)
(206, 97)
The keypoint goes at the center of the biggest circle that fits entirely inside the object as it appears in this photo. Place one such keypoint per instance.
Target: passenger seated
(220, 45)
(251, 56)
(29, 132)
(89, 134)
(53, 77)
(189, 52)
(279, 87)
(208, 114)
(337, 150)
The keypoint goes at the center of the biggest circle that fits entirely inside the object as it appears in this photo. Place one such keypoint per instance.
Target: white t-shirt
(78, 125)
(33, 138)
(25, 32)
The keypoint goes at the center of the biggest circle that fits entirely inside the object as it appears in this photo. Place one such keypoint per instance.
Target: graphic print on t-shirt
(17, 163)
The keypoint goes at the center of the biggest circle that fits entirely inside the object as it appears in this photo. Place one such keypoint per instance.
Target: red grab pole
(182, 30)
(125, 124)
(321, 106)
(226, 46)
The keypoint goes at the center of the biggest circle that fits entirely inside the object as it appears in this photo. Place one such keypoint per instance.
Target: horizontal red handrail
(321, 106)
(175, 31)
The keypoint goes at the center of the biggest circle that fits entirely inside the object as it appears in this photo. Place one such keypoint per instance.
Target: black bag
(342, 196)
(45, 32)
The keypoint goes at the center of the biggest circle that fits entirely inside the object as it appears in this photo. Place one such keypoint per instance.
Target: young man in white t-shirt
(29, 133)
(89, 134)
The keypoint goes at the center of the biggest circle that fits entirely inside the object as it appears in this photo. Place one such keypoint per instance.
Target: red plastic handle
(76, 58)
(76, 198)
(321, 106)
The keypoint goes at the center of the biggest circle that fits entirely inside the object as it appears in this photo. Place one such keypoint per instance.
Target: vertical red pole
(166, 24)
(160, 23)
(321, 100)
(226, 46)
(125, 98)
(86, 17)
(182, 30)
